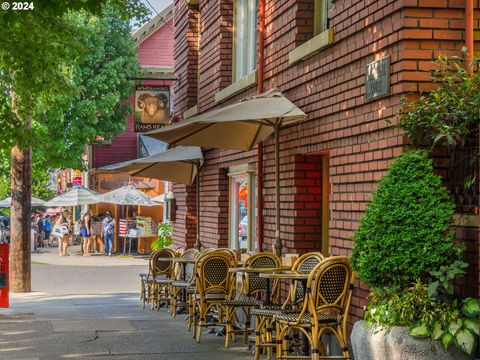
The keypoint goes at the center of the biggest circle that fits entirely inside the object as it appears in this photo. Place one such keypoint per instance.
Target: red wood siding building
(155, 55)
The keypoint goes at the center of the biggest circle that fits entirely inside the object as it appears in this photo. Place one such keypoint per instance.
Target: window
(321, 16)
(243, 210)
(245, 38)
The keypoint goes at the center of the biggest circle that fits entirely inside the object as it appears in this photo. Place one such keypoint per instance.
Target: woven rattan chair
(325, 309)
(183, 279)
(253, 287)
(264, 315)
(214, 284)
(145, 286)
(154, 285)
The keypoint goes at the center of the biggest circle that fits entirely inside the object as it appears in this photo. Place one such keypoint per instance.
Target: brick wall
(185, 52)
(359, 136)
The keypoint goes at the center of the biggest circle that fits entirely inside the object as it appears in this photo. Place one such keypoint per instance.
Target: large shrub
(404, 234)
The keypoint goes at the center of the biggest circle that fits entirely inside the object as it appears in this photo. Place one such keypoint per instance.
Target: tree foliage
(404, 233)
(449, 113)
(75, 85)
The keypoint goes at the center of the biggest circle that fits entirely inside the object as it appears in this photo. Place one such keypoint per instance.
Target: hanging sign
(152, 107)
(377, 79)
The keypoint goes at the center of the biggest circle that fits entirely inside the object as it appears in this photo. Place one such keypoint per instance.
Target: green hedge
(405, 231)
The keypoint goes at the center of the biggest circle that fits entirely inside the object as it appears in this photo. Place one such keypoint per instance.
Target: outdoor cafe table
(244, 270)
(291, 276)
(284, 275)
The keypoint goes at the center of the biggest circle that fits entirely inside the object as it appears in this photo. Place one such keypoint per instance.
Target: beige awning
(179, 164)
(238, 126)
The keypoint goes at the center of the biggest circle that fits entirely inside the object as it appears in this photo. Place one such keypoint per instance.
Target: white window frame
(320, 23)
(245, 38)
(243, 173)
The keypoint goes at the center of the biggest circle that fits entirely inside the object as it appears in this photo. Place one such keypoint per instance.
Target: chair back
(180, 250)
(213, 275)
(253, 283)
(331, 284)
(161, 262)
(189, 254)
(304, 264)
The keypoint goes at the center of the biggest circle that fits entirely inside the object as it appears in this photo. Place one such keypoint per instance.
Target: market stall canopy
(179, 164)
(238, 126)
(127, 195)
(78, 195)
(7, 202)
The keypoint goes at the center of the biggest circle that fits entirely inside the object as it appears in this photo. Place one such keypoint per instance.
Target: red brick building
(316, 53)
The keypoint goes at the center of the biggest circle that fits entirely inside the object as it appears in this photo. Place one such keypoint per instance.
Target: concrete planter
(395, 343)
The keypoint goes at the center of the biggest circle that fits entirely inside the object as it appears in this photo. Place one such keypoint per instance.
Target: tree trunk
(20, 225)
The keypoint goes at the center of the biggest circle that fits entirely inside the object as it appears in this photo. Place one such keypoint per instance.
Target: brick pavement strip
(91, 310)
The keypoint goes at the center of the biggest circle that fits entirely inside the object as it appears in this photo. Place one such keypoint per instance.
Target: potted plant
(404, 251)
(164, 236)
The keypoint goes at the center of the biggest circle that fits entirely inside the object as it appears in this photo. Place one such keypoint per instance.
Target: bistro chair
(325, 308)
(183, 279)
(253, 287)
(190, 289)
(214, 283)
(160, 268)
(145, 288)
(264, 314)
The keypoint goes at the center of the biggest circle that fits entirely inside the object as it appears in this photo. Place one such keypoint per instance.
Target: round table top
(245, 270)
(287, 275)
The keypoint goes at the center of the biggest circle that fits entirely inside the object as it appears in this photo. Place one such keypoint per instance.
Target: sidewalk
(89, 308)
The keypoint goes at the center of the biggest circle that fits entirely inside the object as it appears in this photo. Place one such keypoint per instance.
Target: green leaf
(432, 288)
(420, 331)
(446, 340)
(471, 307)
(472, 325)
(454, 326)
(437, 331)
(465, 340)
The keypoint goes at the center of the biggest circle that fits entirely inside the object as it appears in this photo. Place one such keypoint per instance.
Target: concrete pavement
(88, 308)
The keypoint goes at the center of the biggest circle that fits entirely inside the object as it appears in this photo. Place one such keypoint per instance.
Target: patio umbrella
(179, 164)
(127, 195)
(78, 195)
(239, 126)
(7, 202)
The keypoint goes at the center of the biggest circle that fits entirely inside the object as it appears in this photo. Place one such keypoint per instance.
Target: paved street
(88, 308)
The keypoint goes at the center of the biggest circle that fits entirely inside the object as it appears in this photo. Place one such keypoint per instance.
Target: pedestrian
(47, 228)
(86, 233)
(40, 231)
(108, 232)
(63, 241)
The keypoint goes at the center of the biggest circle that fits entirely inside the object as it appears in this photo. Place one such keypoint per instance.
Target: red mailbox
(3, 275)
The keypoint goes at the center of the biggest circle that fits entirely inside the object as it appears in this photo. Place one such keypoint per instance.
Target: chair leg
(258, 323)
(228, 326)
(278, 341)
(248, 318)
(202, 321)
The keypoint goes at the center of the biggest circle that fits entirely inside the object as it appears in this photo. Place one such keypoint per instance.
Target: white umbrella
(7, 202)
(127, 195)
(78, 195)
